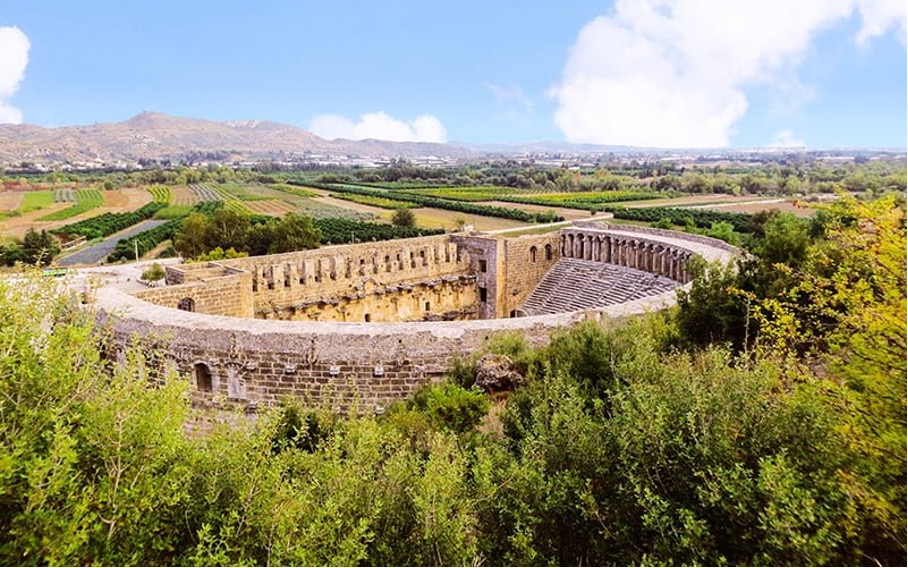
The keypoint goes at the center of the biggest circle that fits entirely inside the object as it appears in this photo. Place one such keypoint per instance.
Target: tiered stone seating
(574, 284)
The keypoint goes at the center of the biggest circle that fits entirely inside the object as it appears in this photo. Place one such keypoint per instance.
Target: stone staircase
(574, 284)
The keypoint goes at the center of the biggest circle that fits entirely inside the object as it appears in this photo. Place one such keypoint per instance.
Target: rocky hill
(157, 136)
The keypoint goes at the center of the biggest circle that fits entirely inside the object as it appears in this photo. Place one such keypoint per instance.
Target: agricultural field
(84, 199)
(235, 192)
(293, 190)
(444, 219)
(375, 201)
(272, 207)
(703, 218)
(482, 193)
(182, 195)
(9, 201)
(34, 200)
(438, 203)
(338, 231)
(366, 211)
(160, 194)
(690, 200)
(319, 209)
(796, 208)
(203, 192)
(568, 214)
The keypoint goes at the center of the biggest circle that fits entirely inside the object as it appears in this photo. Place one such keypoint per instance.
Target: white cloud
(13, 60)
(786, 139)
(879, 16)
(380, 126)
(674, 73)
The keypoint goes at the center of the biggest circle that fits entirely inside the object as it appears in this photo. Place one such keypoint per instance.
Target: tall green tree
(293, 232)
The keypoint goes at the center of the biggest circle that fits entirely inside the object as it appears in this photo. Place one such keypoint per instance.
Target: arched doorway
(186, 304)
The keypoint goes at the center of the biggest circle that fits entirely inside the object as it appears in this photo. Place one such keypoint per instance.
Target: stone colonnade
(640, 253)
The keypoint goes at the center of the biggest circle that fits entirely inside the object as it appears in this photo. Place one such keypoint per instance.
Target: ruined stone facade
(364, 325)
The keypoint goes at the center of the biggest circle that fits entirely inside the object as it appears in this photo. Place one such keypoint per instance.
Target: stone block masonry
(253, 362)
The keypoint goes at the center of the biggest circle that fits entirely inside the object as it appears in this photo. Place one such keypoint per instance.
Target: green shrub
(445, 406)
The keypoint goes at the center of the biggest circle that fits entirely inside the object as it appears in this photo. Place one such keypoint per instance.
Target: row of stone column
(642, 254)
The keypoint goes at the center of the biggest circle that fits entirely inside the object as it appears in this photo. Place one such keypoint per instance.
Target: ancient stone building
(367, 324)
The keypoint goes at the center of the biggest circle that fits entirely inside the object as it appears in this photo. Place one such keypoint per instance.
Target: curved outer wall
(369, 365)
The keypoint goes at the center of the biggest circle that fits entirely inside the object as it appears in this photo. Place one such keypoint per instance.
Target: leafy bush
(445, 406)
(154, 273)
(403, 218)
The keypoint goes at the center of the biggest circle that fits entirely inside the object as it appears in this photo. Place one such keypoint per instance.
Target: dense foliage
(227, 228)
(109, 223)
(699, 217)
(339, 231)
(375, 201)
(630, 443)
(36, 248)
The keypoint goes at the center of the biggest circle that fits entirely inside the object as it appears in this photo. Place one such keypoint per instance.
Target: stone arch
(186, 304)
(548, 252)
(203, 379)
(533, 252)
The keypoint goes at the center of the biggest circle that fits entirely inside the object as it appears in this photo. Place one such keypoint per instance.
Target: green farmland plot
(585, 200)
(473, 193)
(86, 200)
(236, 192)
(64, 195)
(375, 201)
(160, 194)
(34, 200)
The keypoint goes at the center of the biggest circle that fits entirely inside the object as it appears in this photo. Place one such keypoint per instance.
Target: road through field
(98, 252)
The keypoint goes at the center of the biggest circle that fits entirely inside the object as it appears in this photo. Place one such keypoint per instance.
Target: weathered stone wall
(526, 261)
(485, 261)
(442, 299)
(255, 362)
(222, 295)
(338, 283)
(258, 361)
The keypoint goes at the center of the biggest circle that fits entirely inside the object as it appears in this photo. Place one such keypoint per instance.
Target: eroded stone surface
(251, 361)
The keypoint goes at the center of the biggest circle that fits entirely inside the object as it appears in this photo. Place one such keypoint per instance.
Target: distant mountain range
(157, 136)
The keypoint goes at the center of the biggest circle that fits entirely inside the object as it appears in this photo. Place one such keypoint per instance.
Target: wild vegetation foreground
(761, 422)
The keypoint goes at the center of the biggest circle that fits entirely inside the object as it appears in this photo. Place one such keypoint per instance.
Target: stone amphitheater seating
(574, 284)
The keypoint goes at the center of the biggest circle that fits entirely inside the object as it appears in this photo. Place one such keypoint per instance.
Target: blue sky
(669, 73)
